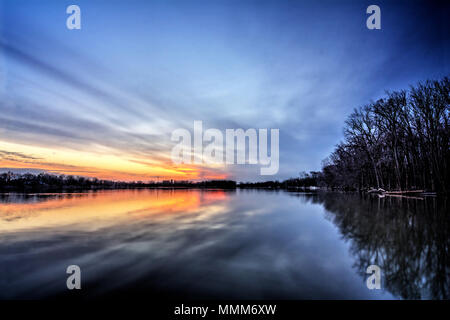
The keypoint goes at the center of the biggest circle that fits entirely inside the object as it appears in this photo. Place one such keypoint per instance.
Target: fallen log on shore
(379, 190)
(405, 191)
(402, 196)
(414, 194)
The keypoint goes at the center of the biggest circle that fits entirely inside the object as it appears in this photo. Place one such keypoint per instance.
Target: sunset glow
(98, 164)
(100, 209)
(103, 100)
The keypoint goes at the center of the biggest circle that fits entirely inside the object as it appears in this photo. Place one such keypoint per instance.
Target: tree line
(400, 142)
(10, 181)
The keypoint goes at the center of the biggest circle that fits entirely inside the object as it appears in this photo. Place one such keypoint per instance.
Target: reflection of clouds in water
(15, 206)
(243, 245)
(93, 210)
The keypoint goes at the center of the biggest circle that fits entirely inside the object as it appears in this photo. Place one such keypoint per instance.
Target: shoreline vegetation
(44, 183)
(398, 143)
(396, 146)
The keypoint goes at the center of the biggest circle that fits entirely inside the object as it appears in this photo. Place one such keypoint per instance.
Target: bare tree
(400, 142)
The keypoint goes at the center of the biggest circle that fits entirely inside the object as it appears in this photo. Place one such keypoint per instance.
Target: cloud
(300, 67)
(15, 156)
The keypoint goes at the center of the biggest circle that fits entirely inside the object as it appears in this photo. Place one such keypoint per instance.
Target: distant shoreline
(44, 183)
(407, 194)
(74, 189)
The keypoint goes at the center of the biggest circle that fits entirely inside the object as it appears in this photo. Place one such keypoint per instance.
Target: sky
(103, 101)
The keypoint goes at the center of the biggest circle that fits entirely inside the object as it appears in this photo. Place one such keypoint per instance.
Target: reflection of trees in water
(407, 238)
(12, 198)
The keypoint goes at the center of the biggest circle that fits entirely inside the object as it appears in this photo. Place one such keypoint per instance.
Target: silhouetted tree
(400, 142)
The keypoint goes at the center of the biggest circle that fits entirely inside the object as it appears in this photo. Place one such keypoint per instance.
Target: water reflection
(407, 237)
(99, 209)
(216, 244)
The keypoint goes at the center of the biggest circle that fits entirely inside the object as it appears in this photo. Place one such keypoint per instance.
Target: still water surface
(223, 244)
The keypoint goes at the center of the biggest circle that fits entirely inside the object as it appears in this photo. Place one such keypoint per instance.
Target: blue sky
(139, 69)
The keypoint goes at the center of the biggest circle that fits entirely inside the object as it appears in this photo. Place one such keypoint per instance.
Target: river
(215, 244)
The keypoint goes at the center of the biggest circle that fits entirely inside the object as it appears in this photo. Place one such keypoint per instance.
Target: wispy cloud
(105, 99)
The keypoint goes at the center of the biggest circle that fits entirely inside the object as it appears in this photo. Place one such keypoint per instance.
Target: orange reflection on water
(99, 209)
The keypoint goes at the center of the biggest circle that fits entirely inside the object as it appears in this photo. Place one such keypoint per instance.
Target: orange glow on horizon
(101, 165)
(100, 209)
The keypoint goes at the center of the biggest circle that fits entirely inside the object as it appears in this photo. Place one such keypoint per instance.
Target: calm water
(216, 244)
